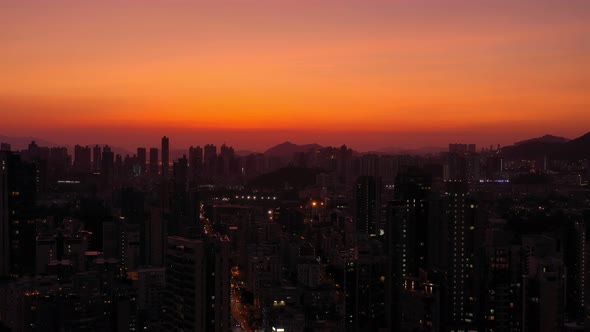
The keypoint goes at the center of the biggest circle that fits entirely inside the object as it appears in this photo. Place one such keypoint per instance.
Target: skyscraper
(461, 215)
(407, 243)
(195, 159)
(82, 156)
(502, 277)
(108, 164)
(410, 222)
(165, 156)
(226, 158)
(141, 160)
(153, 161)
(96, 158)
(210, 159)
(179, 202)
(17, 196)
(4, 226)
(197, 284)
(368, 204)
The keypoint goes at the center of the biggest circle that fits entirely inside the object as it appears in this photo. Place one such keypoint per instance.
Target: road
(237, 313)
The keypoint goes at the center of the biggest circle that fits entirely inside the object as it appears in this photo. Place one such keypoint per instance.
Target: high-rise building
(4, 222)
(576, 260)
(180, 199)
(141, 161)
(370, 165)
(461, 218)
(226, 158)
(407, 245)
(544, 283)
(197, 284)
(154, 237)
(154, 161)
(462, 163)
(165, 156)
(96, 158)
(502, 280)
(5, 146)
(210, 159)
(455, 166)
(59, 163)
(408, 223)
(364, 302)
(195, 160)
(17, 229)
(82, 158)
(150, 284)
(368, 205)
(108, 164)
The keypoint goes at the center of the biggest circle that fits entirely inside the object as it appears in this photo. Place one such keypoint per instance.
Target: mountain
(545, 139)
(245, 153)
(22, 143)
(575, 149)
(288, 149)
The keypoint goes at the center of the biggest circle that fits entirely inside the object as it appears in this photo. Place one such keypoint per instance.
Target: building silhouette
(96, 159)
(368, 205)
(154, 162)
(165, 156)
(141, 161)
(197, 284)
(82, 159)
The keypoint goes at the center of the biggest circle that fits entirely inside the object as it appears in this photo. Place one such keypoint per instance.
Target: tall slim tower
(141, 160)
(165, 156)
(108, 163)
(210, 159)
(4, 230)
(195, 160)
(368, 204)
(462, 218)
(154, 161)
(97, 158)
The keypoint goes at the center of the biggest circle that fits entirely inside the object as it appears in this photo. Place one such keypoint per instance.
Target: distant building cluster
(326, 239)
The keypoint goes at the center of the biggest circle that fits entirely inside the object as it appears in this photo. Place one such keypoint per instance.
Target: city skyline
(246, 141)
(295, 165)
(383, 71)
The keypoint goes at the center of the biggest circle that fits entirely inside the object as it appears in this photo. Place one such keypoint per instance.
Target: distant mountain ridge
(22, 143)
(551, 147)
(288, 149)
(545, 139)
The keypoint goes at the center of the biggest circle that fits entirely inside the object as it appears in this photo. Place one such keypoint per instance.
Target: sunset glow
(369, 66)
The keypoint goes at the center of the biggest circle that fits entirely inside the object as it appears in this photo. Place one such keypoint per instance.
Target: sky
(253, 73)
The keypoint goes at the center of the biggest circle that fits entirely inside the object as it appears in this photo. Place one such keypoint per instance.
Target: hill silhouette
(575, 149)
(287, 149)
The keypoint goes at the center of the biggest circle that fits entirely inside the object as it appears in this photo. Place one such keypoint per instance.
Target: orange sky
(518, 67)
